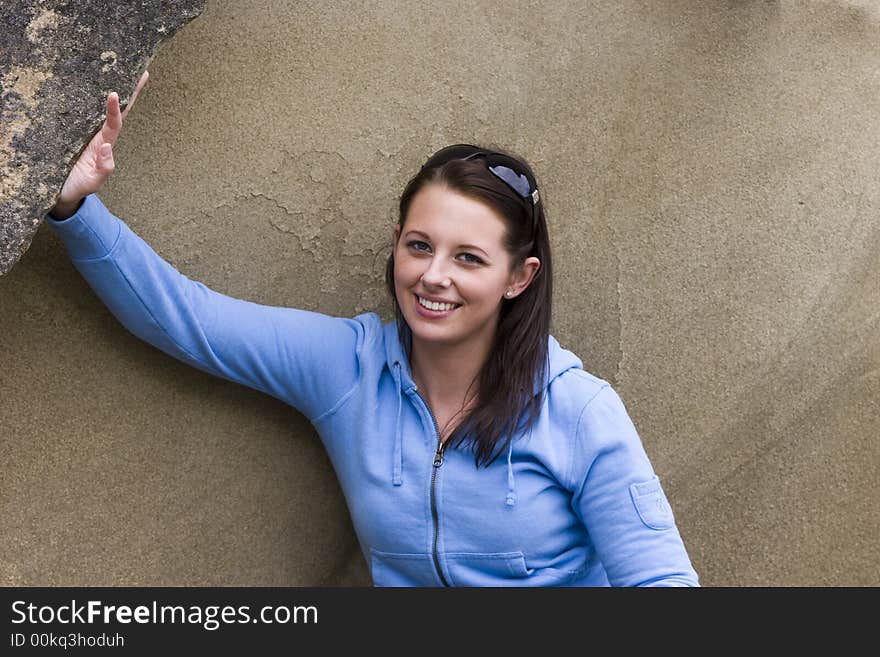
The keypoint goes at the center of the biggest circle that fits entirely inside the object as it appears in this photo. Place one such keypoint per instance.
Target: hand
(95, 163)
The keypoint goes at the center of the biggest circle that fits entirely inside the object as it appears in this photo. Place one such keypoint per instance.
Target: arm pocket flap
(651, 504)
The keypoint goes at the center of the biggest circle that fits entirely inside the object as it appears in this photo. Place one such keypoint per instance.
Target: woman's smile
(433, 309)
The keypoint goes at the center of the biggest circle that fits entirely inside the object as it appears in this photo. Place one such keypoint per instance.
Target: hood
(560, 360)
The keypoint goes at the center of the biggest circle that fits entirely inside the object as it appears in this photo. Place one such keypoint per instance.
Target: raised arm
(306, 359)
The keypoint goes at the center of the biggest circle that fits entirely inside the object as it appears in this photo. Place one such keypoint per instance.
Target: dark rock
(58, 61)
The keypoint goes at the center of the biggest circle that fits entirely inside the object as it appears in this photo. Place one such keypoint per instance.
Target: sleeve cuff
(90, 233)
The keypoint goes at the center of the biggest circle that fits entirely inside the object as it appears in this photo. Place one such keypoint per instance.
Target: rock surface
(58, 62)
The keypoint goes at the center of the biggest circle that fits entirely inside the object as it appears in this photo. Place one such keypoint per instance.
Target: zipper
(438, 461)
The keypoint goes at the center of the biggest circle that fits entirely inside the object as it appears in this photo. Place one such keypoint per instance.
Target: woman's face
(450, 250)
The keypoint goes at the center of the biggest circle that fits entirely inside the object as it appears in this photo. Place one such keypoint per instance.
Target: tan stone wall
(710, 174)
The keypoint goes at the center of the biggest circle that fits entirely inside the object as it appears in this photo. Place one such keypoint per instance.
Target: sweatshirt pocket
(401, 569)
(486, 568)
(651, 504)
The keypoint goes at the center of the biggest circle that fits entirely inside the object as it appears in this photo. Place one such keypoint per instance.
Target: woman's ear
(524, 275)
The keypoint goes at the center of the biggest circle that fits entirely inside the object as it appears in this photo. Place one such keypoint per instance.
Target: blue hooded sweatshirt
(574, 501)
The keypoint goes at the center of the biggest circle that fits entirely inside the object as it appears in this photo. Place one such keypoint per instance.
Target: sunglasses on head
(501, 166)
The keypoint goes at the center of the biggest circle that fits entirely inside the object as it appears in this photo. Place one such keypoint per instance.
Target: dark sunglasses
(501, 166)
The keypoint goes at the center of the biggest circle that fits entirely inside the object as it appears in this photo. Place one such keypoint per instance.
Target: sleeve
(306, 359)
(621, 502)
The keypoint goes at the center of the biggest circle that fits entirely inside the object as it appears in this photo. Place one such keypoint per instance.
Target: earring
(508, 294)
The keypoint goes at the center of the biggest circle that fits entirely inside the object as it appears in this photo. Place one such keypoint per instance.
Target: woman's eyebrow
(461, 246)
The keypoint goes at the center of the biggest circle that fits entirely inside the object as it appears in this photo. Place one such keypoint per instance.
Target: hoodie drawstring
(511, 488)
(397, 468)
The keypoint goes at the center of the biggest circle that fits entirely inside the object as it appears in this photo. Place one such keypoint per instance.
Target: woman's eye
(469, 257)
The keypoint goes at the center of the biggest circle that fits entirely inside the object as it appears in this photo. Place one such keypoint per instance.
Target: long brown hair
(519, 353)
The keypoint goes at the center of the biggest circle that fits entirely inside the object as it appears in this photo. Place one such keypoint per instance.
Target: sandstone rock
(58, 61)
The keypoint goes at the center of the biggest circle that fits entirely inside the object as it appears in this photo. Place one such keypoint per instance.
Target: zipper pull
(438, 455)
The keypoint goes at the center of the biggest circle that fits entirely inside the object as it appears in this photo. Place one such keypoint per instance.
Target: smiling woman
(461, 248)
(415, 414)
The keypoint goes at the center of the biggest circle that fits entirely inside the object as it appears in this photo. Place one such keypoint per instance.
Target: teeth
(433, 305)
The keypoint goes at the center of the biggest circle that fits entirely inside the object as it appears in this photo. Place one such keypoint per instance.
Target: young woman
(472, 449)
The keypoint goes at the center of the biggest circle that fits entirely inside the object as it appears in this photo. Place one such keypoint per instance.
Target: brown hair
(519, 353)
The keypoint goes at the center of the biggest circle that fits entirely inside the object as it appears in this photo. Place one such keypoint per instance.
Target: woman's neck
(446, 375)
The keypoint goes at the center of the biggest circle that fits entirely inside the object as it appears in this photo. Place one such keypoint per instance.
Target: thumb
(105, 153)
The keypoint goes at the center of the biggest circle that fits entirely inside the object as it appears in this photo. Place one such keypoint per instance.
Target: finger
(113, 123)
(137, 89)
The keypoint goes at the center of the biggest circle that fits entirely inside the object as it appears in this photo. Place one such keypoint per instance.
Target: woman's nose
(437, 274)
